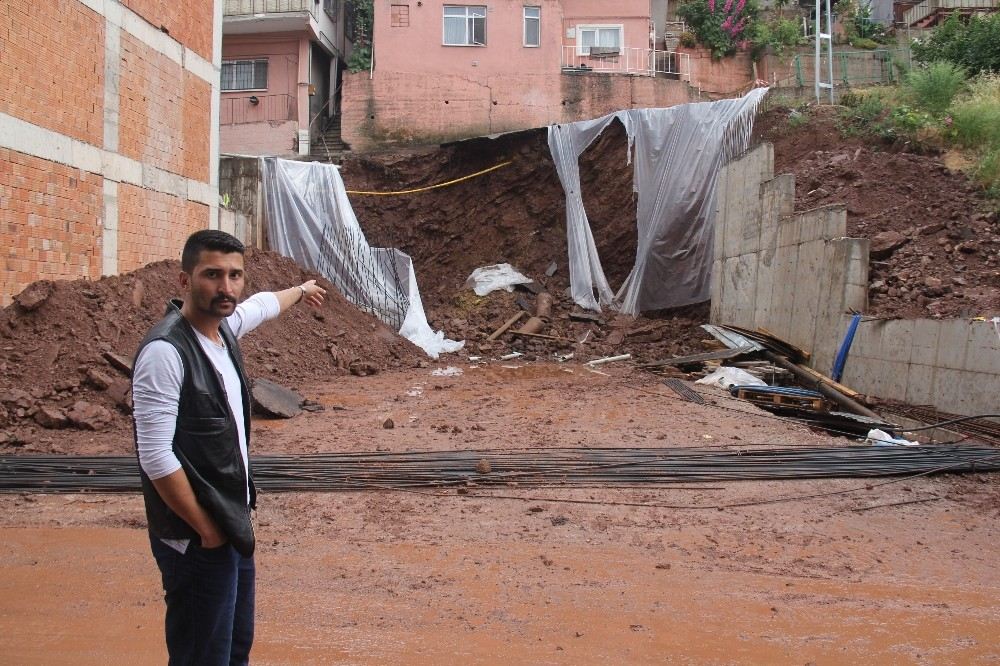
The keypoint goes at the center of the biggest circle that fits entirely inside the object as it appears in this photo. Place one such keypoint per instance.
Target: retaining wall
(797, 275)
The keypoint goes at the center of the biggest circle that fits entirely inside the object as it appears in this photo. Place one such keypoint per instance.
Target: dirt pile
(935, 242)
(65, 347)
(515, 215)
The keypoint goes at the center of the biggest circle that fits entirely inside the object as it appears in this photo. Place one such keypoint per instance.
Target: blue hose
(845, 347)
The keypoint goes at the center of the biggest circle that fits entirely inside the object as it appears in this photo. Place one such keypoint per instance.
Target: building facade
(109, 140)
(281, 63)
(445, 71)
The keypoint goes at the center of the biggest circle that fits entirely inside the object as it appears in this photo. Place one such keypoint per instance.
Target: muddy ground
(899, 573)
(800, 572)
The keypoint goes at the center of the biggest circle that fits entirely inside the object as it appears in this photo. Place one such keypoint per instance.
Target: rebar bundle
(485, 468)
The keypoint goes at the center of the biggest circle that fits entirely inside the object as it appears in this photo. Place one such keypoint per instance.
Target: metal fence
(854, 68)
(626, 60)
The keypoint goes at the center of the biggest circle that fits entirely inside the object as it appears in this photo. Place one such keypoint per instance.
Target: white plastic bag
(497, 276)
(878, 437)
(726, 377)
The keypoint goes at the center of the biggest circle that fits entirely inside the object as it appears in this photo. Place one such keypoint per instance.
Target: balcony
(623, 60)
(251, 16)
(257, 7)
(257, 109)
(931, 12)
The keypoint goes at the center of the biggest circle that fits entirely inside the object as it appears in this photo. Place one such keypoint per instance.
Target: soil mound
(934, 239)
(63, 343)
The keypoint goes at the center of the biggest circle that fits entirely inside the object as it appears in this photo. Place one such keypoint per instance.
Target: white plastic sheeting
(678, 153)
(310, 219)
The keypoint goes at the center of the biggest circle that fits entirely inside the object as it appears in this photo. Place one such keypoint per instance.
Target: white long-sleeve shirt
(159, 374)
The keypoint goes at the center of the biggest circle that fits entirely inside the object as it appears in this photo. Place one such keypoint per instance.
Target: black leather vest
(206, 440)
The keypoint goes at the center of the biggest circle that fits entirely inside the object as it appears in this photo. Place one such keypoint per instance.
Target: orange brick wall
(187, 21)
(153, 225)
(197, 127)
(164, 112)
(52, 66)
(50, 217)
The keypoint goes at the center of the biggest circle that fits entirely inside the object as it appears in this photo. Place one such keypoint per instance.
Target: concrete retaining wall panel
(808, 276)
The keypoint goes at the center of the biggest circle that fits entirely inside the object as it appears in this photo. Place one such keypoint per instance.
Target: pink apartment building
(281, 65)
(444, 70)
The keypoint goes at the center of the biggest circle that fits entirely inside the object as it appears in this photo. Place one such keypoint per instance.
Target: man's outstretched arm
(309, 293)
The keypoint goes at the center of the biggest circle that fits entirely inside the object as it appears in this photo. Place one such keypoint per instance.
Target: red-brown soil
(850, 572)
(47, 352)
(948, 261)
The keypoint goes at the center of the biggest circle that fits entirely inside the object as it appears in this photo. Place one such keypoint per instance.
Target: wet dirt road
(543, 575)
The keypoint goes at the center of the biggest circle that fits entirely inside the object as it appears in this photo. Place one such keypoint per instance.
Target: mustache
(224, 299)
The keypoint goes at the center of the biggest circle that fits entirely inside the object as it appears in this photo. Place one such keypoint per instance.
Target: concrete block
(983, 349)
(200, 67)
(807, 293)
(783, 288)
(164, 181)
(722, 213)
(952, 338)
(834, 221)
(964, 392)
(924, 347)
(788, 230)
(897, 340)
(866, 375)
(764, 288)
(920, 384)
(112, 80)
(868, 339)
(894, 379)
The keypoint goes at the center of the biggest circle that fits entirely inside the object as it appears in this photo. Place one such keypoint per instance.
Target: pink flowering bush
(721, 25)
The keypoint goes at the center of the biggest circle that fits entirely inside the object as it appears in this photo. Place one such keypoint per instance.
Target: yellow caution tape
(432, 187)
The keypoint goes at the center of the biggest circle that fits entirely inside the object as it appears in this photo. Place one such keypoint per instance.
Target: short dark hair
(208, 239)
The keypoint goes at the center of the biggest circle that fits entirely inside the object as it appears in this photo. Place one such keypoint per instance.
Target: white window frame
(468, 15)
(597, 27)
(538, 19)
(253, 62)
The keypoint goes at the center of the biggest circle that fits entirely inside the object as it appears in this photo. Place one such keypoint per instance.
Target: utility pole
(821, 38)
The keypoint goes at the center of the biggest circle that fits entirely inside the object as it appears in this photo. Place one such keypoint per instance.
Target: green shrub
(975, 123)
(987, 172)
(864, 43)
(688, 39)
(933, 88)
(973, 45)
(778, 34)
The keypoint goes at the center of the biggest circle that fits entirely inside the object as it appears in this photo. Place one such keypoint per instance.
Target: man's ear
(184, 280)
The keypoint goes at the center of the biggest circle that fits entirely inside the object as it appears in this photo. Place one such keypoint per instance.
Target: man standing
(192, 426)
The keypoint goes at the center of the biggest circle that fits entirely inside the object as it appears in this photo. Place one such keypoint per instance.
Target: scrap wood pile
(66, 350)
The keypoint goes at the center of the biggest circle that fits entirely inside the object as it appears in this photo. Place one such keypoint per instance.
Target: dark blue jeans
(210, 604)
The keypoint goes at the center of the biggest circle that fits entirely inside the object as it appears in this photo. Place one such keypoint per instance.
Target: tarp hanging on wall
(678, 152)
(310, 219)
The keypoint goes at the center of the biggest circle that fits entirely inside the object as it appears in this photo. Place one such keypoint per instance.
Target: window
(532, 25)
(464, 25)
(244, 75)
(598, 39)
(332, 9)
(400, 16)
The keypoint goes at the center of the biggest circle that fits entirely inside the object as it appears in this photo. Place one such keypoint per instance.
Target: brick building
(109, 137)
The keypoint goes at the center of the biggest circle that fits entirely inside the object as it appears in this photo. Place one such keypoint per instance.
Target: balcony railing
(918, 13)
(635, 61)
(252, 7)
(242, 110)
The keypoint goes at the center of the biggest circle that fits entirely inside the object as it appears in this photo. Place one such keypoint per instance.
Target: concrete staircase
(329, 146)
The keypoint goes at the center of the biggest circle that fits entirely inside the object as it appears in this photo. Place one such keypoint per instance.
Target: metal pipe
(820, 385)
